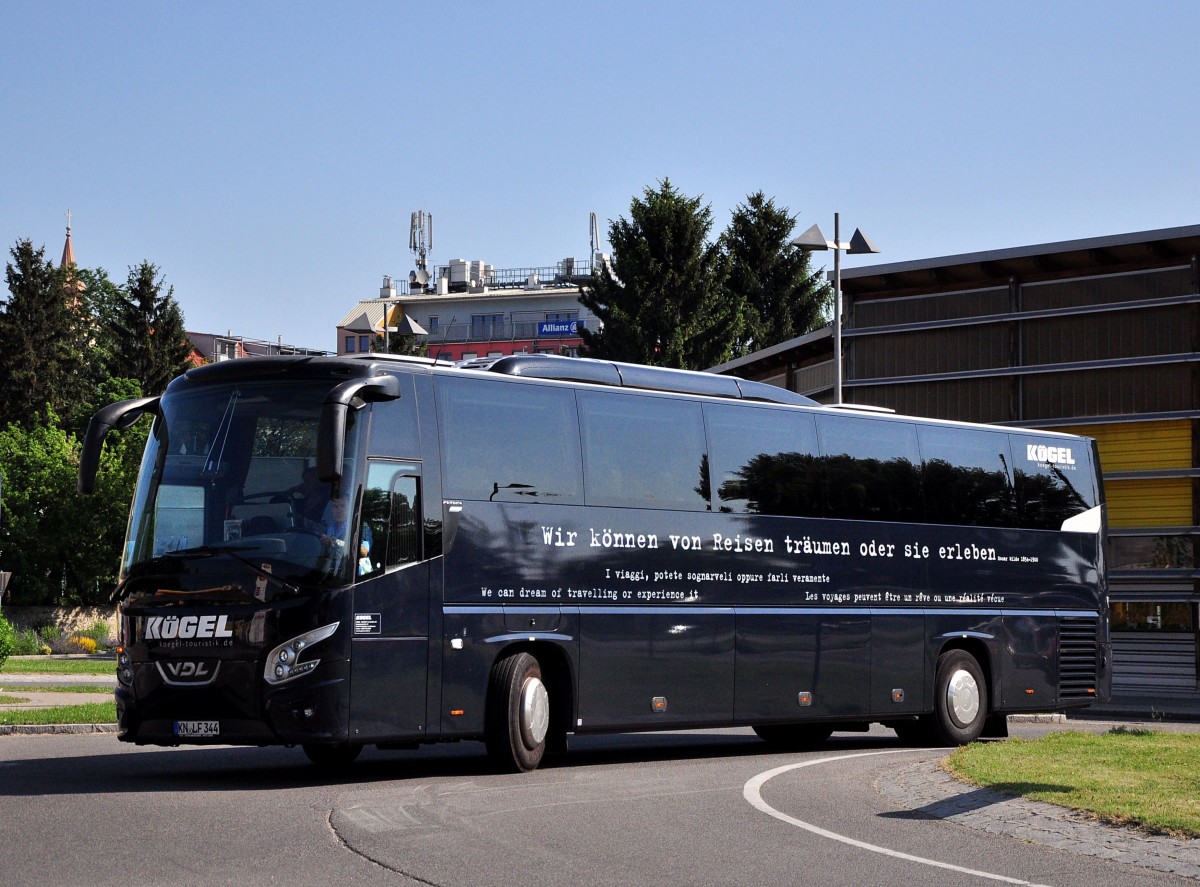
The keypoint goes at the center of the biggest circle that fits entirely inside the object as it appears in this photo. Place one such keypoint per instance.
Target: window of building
(433, 323)
(487, 326)
(364, 344)
(1152, 616)
(350, 342)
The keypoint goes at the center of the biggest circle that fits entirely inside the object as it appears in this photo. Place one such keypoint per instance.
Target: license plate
(197, 729)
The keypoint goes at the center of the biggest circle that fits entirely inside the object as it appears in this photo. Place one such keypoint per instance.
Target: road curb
(54, 729)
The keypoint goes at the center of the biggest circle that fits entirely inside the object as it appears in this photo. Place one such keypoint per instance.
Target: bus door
(390, 649)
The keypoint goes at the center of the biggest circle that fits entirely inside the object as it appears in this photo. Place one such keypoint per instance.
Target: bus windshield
(230, 469)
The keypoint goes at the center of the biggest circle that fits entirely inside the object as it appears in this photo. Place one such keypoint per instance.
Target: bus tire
(517, 718)
(332, 757)
(960, 699)
(794, 737)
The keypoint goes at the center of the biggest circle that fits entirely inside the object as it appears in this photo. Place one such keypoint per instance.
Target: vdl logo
(1052, 455)
(169, 628)
(187, 672)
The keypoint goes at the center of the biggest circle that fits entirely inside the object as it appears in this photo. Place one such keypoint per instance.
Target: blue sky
(267, 156)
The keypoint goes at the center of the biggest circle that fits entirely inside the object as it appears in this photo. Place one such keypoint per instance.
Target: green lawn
(89, 713)
(18, 687)
(36, 665)
(1148, 779)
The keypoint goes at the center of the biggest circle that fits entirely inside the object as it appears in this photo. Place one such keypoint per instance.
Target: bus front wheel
(960, 699)
(518, 713)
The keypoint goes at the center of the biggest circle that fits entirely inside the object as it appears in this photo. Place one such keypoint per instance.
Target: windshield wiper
(203, 551)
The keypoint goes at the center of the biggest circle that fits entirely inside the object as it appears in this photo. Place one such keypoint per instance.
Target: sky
(267, 156)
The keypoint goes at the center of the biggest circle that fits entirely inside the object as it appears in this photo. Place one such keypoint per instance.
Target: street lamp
(813, 240)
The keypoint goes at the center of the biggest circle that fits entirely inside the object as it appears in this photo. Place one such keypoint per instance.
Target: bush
(84, 643)
(8, 639)
(28, 643)
(99, 632)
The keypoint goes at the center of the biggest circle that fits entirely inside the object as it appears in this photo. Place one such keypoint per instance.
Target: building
(213, 347)
(1099, 337)
(473, 310)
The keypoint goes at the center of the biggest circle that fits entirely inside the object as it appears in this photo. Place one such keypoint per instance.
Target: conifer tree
(663, 301)
(44, 330)
(784, 297)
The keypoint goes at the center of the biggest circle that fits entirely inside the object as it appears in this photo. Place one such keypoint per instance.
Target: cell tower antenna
(420, 238)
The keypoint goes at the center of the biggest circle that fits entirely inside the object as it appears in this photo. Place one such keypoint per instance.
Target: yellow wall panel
(1149, 503)
(1140, 446)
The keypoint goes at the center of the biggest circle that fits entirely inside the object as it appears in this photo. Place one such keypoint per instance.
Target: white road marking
(752, 793)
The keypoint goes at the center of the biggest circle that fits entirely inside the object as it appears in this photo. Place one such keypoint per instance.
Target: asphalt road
(673, 809)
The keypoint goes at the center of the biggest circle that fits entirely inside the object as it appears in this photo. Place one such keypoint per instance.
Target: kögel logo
(1053, 455)
(168, 628)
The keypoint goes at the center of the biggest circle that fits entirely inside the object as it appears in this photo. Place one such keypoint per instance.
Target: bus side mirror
(331, 434)
(118, 415)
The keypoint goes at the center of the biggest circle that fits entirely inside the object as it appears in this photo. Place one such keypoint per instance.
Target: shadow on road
(228, 768)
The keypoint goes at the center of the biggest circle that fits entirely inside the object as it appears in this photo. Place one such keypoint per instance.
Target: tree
(61, 547)
(147, 329)
(44, 332)
(399, 343)
(663, 301)
(784, 297)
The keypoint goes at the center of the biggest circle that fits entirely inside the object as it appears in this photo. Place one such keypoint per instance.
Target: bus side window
(870, 468)
(764, 461)
(404, 531)
(391, 517)
(967, 477)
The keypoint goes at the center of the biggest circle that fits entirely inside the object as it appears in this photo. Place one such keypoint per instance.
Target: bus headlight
(124, 667)
(282, 664)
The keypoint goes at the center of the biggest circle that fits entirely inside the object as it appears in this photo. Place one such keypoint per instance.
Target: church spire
(68, 256)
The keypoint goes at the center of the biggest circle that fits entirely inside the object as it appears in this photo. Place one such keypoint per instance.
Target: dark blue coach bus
(333, 552)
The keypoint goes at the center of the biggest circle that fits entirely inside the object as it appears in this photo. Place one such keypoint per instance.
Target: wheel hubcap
(535, 713)
(962, 697)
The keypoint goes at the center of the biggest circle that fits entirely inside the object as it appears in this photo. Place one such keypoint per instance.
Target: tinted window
(764, 460)
(870, 468)
(509, 442)
(966, 476)
(394, 430)
(1054, 479)
(391, 516)
(643, 452)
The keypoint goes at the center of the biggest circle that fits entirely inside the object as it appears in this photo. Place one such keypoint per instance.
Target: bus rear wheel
(794, 737)
(960, 699)
(518, 713)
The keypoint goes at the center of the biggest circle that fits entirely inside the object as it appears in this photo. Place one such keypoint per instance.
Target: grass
(11, 700)
(1142, 778)
(17, 687)
(88, 713)
(36, 665)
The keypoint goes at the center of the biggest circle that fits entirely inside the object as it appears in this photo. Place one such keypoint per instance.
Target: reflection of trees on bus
(958, 494)
(806, 485)
(1047, 500)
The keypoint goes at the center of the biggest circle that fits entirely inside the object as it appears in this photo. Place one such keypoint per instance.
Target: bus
(524, 549)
